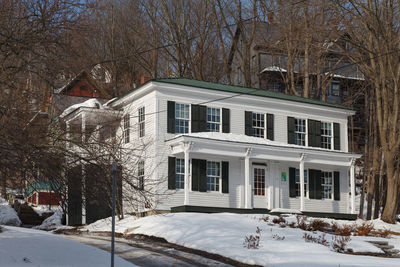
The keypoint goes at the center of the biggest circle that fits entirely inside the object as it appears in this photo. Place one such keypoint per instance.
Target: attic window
(83, 88)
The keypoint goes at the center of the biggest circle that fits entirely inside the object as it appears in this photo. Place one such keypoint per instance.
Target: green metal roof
(41, 186)
(245, 91)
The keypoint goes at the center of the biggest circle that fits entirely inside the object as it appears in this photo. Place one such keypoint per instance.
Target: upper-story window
(141, 117)
(300, 132)
(181, 118)
(259, 125)
(213, 175)
(213, 119)
(314, 133)
(326, 135)
(334, 89)
(126, 128)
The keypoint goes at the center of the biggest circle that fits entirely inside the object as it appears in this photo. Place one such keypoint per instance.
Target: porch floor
(203, 209)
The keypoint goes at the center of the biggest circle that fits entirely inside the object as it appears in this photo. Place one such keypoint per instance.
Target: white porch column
(352, 186)
(302, 157)
(247, 183)
(186, 150)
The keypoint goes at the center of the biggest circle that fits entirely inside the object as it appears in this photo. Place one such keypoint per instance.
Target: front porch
(259, 175)
(201, 209)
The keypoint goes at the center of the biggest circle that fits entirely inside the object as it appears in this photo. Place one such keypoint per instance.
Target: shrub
(292, 225)
(381, 233)
(346, 230)
(302, 222)
(278, 237)
(279, 220)
(319, 225)
(264, 218)
(364, 229)
(1, 229)
(282, 225)
(339, 243)
(316, 239)
(252, 241)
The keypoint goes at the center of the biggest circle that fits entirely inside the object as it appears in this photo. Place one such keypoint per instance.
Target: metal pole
(114, 172)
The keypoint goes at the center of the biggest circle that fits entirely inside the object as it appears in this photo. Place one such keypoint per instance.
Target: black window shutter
(318, 186)
(318, 142)
(171, 172)
(226, 123)
(171, 117)
(270, 126)
(195, 174)
(336, 136)
(248, 123)
(225, 177)
(202, 118)
(311, 184)
(202, 175)
(292, 182)
(195, 118)
(311, 133)
(336, 184)
(290, 122)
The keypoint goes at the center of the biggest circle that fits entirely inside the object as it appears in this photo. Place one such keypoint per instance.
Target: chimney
(144, 79)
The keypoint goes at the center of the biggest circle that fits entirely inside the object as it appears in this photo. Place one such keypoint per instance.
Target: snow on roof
(91, 103)
(274, 68)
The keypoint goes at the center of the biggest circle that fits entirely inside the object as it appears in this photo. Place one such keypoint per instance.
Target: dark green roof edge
(240, 90)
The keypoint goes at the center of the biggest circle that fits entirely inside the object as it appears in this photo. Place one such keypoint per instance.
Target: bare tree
(373, 32)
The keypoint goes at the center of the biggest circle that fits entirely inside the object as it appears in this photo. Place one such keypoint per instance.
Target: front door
(259, 187)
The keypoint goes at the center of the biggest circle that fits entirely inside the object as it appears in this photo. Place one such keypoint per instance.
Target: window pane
(213, 175)
(213, 119)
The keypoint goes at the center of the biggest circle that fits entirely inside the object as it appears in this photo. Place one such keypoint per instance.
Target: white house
(225, 148)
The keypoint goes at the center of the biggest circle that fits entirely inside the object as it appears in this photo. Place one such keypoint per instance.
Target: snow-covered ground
(8, 216)
(224, 234)
(26, 247)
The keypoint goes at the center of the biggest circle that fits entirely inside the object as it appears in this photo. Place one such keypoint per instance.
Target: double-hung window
(326, 135)
(141, 117)
(326, 184)
(259, 125)
(213, 119)
(126, 128)
(141, 175)
(180, 174)
(298, 182)
(300, 132)
(181, 118)
(213, 175)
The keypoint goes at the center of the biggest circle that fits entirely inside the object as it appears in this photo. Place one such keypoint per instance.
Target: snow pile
(91, 103)
(104, 225)
(8, 216)
(40, 209)
(224, 234)
(27, 247)
(53, 222)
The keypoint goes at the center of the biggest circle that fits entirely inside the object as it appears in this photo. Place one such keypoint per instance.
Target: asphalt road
(145, 254)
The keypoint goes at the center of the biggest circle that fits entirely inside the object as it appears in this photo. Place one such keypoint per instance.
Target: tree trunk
(3, 184)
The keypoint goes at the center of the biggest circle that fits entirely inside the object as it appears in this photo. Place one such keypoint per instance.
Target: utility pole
(114, 173)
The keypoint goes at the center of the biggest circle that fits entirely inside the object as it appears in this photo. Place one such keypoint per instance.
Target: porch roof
(237, 145)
